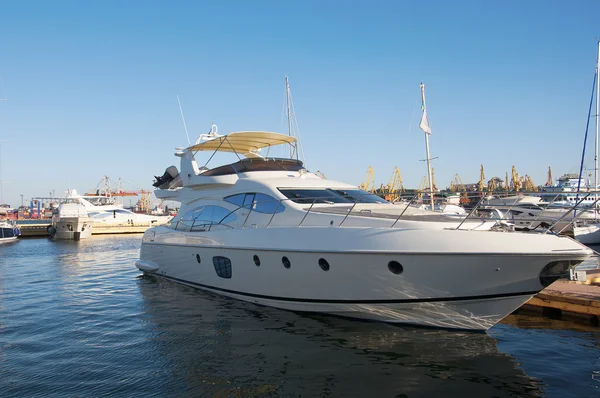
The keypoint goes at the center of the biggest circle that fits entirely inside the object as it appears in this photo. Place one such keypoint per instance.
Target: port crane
(367, 184)
(394, 188)
(549, 181)
(515, 181)
(528, 184)
(481, 185)
(456, 185)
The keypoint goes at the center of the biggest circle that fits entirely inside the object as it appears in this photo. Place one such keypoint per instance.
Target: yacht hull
(444, 278)
(588, 234)
(71, 228)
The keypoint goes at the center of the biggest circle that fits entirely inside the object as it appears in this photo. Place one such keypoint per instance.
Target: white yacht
(105, 211)
(267, 231)
(70, 221)
(530, 212)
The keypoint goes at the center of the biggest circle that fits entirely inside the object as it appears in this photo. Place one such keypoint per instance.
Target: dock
(41, 229)
(568, 300)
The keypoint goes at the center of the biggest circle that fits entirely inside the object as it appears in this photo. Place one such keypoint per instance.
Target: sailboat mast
(597, 117)
(427, 150)
(288, 111)
(287, 104)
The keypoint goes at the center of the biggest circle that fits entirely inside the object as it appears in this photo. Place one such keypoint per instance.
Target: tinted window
(248, 200)
(237, 200)
(267, 204)
(207, 215)
(360, 196)
(258, 201)
(314, 196)
(222, 266)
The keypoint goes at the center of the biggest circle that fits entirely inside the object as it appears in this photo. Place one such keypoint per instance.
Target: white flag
(424, 125)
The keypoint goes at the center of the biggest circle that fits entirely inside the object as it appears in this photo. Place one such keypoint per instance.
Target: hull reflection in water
(223, 347)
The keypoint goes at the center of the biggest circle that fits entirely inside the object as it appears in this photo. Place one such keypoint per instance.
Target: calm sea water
(78, 319)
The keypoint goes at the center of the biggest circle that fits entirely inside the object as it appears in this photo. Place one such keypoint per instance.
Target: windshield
(360, 196)
(329, 195)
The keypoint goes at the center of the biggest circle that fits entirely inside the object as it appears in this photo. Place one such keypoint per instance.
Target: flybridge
(246, 145)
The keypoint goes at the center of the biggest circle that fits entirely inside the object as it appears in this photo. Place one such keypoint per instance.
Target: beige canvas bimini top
(244, 142)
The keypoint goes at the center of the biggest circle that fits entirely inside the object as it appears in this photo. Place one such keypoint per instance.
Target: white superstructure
(268, 231)
(71, 222)
(105, 211)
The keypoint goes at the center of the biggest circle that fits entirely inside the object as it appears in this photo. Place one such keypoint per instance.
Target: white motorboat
(70, 221)
(105, 211)
(9, 231)
(267, 231)
(530, 212)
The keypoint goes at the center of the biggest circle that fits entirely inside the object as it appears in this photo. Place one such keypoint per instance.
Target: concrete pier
(41, 229)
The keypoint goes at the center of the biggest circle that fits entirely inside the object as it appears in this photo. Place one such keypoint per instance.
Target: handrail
(567, 213)
(323, 201)
(471, 212)
(406, 208)
(578, 215)
(350, 211)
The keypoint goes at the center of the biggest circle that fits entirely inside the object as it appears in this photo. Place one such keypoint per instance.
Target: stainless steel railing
(347, 209)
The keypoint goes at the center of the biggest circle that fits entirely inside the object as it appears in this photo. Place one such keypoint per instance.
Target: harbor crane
(394, 188)
(549, 181)
(506, 184)
(481, 185)
(528, 184)
(367, 184)
(515, 181)
(456, 185)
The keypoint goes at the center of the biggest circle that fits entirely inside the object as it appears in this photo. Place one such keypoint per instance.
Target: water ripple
(77, 319)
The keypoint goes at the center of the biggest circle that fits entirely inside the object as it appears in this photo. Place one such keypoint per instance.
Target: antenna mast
(597, 117)
(183, 119)
(427, 147)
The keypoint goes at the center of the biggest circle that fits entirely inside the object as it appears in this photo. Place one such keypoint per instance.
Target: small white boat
(71, 222)
(9, 231)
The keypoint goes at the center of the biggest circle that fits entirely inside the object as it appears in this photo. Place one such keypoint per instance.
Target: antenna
(1, 182)
(183, 119)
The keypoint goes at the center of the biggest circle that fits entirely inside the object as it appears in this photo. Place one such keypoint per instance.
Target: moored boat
(267, 231)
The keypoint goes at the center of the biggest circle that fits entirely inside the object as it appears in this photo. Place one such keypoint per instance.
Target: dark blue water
(77, 319)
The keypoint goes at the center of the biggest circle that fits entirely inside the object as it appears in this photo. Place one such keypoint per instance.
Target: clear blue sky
(91, 86)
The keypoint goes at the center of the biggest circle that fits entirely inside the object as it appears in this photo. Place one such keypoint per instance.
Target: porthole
(323, 264)
(198, 258)
(286, 262)
(395, 267)
(222, 266)
(256, 260)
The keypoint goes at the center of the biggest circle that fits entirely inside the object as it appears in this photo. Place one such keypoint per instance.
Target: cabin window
(222, 266)
(323, 264)
(395, 267)
(237, 200)
(204, 216)
(310, 196)
(330, 195)
(360, 196)
(258, 202)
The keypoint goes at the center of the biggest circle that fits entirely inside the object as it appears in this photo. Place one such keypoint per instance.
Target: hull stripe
(329, 301)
